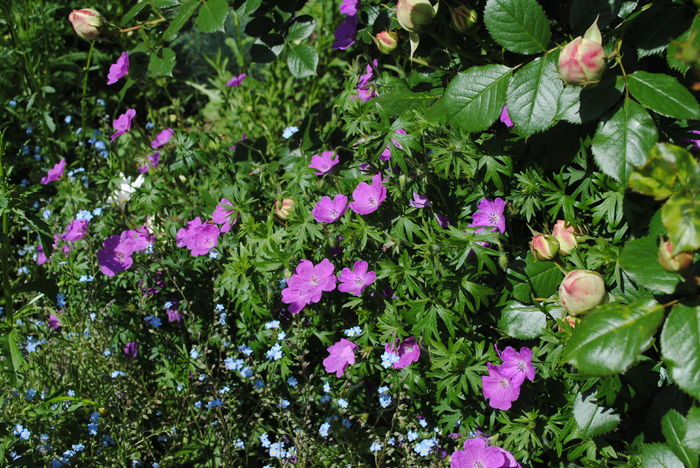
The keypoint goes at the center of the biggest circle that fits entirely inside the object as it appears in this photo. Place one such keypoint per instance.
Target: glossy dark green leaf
(541, 279)
(162, 63)
(663, 94)
(522, 321)
(302, 60)
(609, 339)
(591, 419)
(301, 28)
(639, 259)
(212, 16)
(681, 217)
(674, 428)
(518, 25)
(579, 104)
(184, 13)
(680, 347)
(692, 434)
(659, 456)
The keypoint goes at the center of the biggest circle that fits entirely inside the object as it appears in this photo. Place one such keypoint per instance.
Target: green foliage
(517, 25)
(680, 347)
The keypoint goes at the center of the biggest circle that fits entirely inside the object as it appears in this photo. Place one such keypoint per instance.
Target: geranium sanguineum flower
(386, 154)
(355, 280)
(517, 365)
(365, 87)
(54, 173)
(225, 215)
(505, 118)
(123, 123)
(118, 70)
(117, 250)
(308, 283)
(198, 237)
(490, 215)
(131, 349)
(367, 198)
(345, 33)
(323, 163)
(499, 389)
(162, 138)
(236, 80)
(342, 354)
(408, 352)
(75, 231)
(349, 7)
(329, 211)
(419, 201)
(477, 454)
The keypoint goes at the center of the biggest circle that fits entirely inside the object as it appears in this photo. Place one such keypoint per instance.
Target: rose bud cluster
(582, 290)
(562, 242)
(582, 61)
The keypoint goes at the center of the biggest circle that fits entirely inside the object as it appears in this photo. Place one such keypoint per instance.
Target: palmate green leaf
(474, 99)
(623, 140)
(680, 347)
(681, 217)
(692, 434)
(522, 321)
(674, 428)
(659, 456)
(663, 94)
(162, 64)
(184, 13)
(301, 60)
(591, 419)
(212, 16)
(518, 25)
(609, 339)
(639, 259)
(533, 95)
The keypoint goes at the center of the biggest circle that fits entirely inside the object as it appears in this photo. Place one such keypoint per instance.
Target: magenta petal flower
(308, 283)
(225, 215)
(386, 154)
(54, 322)
(123, 123)
(408, 352)
(345, 33)
(477, 453)
(162, 138)
(131, 241)
(419, 201)
(349, 7)
(111, 259)
(236, 80)
(517, 366)
(330, 211)
(490, 215)
(118, 70)
(342, 354)
(198, 237)
(499, 389)
(76, 230)
(367, 198)
(131, 349)
(54, 173)
(324, 163)
(41, 256)
(355, 280)
(365, 87)
(505, 118)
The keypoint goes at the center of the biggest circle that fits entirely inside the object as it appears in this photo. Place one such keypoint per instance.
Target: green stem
(85, 80)
(5, 251)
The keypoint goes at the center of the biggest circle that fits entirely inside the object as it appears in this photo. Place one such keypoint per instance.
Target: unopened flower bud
(87, 23)
(582, 290)
(566, 235)
(464, 19)
(582, 62)
(282, 209)
(544, 247)
(386, 41)
(414, 15)
(673, 263)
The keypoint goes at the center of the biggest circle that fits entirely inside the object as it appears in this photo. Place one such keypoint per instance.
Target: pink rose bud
(464, 19)
(582, 290)
(87, 23)
(386, 41)
(414, 15)
(544, 247)
(566, 235)
(673, 263)
(282, 209)
(582, 62)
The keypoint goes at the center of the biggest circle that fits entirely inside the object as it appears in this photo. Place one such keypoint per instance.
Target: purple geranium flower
(198, 237)
(419, 201)
(505, 118)
(355, 280)
(345, 33)
(54, 322)
(152, 162)
(123, 123)
(408, 352)
(367, 198)
(517, 365)
(55, 173)
(477, 453)
(225, 215)
(386, 154)
(329, 211)
(162, 138)
(118, 70)
(236, 80)
(131, 349)
(307, 284)
(111, 258)
(349, 7)
(499, 389)
(490, 215)
(342, 354)
(40, 255)
(76, 230)
(324, 163)
(365, 87)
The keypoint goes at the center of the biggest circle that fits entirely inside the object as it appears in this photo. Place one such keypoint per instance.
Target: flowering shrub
(404, 233)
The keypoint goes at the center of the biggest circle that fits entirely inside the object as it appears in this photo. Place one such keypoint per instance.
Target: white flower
(125, 189)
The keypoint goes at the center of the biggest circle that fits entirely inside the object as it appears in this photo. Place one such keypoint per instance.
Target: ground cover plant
(350, 233)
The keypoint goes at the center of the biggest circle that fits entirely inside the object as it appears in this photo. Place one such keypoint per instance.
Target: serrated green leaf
(302, 60)
(692, 434)
(162, 63)
(639, 259)
(518, 25)
(663, 94)
(680, 347)
(609, 339)
(653, 28)
(474, 99)
(212, 16)
(579, 104)
(541, 280)
(184, 13)
(659, 456)
(674, 428)
(591, 419)
(521, 321)
(301, 28)
(681, 217)
(623, 141)
(533, 95)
